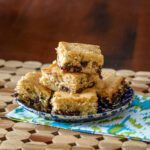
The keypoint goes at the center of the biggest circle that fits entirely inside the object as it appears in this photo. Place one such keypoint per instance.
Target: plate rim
(58, 117)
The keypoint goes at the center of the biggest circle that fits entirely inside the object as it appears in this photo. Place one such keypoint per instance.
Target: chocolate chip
(65, 69)
(31, 102)
(89, 86)
(71, 68)
(79, 90)
(104, 103)
(61, 112)
(63, 88)
(100, 76)
(36, 100)
(99, 70)
(15, 94)
(49, 106)
(76, 69)
(84, 63)
(94, 64)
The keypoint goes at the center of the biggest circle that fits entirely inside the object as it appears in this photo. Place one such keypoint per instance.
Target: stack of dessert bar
(73, 84)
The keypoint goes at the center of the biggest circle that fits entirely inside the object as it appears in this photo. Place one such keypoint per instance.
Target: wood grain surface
(31, 29)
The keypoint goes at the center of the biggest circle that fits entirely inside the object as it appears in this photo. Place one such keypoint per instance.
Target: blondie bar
(113, 88)
(75, 104)
(77, 57)
(54, 78)
(32, 93)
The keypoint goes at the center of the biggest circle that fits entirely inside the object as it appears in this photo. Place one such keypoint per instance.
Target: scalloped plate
(127, 98)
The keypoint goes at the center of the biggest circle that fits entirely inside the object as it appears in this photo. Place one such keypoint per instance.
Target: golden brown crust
(85, 103)
(54, 78)
(112, 84)
(30, 91)
(78, 57)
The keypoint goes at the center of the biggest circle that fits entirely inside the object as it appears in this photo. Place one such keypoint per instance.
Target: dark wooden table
(31, 29)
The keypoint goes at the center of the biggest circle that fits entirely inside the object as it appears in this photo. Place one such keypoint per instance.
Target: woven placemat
(18, 135)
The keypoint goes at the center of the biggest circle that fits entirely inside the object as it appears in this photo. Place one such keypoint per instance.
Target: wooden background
(31, 29)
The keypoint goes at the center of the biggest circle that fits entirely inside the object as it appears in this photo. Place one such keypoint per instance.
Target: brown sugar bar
(113, 88)
(32, 93)
(54, 78)
(78, 57)
(75, 104)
